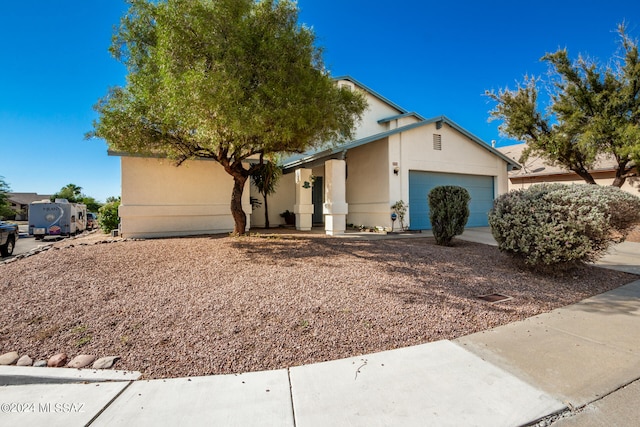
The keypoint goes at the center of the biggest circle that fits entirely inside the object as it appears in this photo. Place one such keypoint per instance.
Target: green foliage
(594, 111)
(224, 80)
(400, 208)
(73, 193)
(265, 178)
(5, 207)
(555, 224)
(108, 218)
(448, 212)
(92, 204)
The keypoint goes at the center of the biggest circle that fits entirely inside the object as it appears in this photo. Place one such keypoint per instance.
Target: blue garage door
(480, 189)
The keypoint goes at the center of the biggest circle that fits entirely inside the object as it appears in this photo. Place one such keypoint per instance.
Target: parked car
(8, 238)
(92, 221)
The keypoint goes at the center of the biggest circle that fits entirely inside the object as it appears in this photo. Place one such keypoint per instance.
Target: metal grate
(493, 298)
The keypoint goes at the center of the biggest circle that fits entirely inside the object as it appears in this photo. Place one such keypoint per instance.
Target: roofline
(377, 95)
(400, 116)
(512, 164)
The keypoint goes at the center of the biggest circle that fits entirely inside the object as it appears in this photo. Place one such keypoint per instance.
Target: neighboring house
(396, 155)
(20, 202)
(536, 170)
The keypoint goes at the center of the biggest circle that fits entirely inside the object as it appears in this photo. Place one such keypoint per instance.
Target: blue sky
(430, 57)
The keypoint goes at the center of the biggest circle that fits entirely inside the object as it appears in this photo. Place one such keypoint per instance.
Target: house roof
(538, 166)
(26, 198)
(403, 112)
(338, 151)
(399, 116)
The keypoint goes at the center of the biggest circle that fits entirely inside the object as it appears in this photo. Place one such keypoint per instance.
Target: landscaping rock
(9, 358)
(105, 362)
(25, 361)
(81, 361)
(57, 361)
(40, 364)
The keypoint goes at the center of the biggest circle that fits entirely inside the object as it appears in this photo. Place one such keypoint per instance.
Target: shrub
(554, 224)
(108, 218)
(448, 212)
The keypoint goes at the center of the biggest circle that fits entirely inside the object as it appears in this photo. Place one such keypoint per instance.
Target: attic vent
(437, 142)
(346, 86)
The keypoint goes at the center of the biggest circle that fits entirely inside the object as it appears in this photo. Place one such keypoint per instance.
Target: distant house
(20, 202)
(536, 170)
(396, 155)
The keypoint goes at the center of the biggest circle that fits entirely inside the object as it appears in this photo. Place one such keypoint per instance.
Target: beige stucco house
(536, 170)
(396, 155)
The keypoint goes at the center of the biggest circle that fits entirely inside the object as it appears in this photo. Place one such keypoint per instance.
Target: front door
(317, 198)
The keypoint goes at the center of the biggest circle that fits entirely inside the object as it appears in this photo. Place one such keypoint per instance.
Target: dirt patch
(213, 305)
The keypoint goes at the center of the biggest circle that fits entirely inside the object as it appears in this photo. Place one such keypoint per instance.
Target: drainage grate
(493, 298)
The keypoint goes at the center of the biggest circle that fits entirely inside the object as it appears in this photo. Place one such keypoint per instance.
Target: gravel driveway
(212, 305)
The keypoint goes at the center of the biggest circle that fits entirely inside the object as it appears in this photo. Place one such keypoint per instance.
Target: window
(437, 142)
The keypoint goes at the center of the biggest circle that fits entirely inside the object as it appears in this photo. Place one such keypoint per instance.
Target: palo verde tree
(594, 111)
(224, 80)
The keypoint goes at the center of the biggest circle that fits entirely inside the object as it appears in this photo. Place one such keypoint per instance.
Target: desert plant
(556, 224)
(108, 218)
(400, 208)
(448, 212)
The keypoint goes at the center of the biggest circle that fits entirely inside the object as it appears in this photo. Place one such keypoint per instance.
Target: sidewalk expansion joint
(95, 417)
(293, 409)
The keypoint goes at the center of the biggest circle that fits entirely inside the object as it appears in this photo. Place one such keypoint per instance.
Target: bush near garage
(448, 212)
(108, 218)
(556, 224)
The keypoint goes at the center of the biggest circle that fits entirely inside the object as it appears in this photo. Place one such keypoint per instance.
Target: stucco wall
(413, 150)
(283, 199)
(367, 190)
(376, 110)
(160, 199)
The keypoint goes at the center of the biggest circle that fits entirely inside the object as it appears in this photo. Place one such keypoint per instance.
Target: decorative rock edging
(59, 360)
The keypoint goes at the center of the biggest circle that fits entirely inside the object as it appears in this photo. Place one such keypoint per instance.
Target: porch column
(335, 208)
(304, 206)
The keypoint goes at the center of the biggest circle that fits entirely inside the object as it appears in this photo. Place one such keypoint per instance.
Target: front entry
(317, 198)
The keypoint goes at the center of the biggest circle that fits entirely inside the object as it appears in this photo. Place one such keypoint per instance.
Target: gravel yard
(213, 305)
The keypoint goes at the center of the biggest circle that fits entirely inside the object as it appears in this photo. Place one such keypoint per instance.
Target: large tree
(224, 80)
(5, 206)
(593, 112)
(73, 193)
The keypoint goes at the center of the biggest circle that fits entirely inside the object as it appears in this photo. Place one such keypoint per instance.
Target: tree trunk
(266, 212)
(238, 214)
(621, 173)
(618, 181)
(584, 174)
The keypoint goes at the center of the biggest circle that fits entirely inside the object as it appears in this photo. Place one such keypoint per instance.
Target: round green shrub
(553, 224)
(448, 212)
(108, 218)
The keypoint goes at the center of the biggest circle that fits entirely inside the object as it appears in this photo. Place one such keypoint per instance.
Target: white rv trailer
(59, 218)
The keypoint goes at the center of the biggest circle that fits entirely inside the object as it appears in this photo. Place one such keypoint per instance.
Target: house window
(437, 142)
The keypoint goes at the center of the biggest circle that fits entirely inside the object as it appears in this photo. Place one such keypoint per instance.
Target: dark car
(92, 221)
(8, 238)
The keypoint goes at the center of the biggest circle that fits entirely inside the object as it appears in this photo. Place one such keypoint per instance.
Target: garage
(480, 189)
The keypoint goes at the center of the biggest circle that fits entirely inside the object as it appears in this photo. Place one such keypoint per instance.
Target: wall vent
(437, 142)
